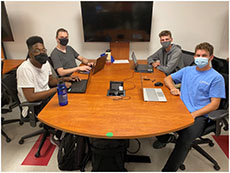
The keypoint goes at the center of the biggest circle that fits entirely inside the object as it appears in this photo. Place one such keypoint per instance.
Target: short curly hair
(165, 33)
(205, 46)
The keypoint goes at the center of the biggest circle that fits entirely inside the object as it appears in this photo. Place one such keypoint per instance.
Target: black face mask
(41, 58)
(64, 41)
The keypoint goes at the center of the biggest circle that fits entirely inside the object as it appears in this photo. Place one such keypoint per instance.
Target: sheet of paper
(122, 61)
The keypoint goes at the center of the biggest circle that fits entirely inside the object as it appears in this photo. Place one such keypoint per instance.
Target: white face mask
(201, 62)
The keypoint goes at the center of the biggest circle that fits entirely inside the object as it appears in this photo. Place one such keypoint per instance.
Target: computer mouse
(158, 84)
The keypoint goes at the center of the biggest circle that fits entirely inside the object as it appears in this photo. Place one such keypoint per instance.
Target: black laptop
(144, 68)
(80, 86)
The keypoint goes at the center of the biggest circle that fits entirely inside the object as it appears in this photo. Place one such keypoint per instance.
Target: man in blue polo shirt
(201, 91)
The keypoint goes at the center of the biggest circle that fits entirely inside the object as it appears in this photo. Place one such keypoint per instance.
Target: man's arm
(151, 59)
(171, 85)
(62, 72)
(83, 60)
(32, 96)
(172, 63)
(215, 102)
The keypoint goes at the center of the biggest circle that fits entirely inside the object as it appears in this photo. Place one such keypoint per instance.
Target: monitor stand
(119, 50)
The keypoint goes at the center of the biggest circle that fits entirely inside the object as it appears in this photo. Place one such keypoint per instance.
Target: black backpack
(108, 154)
(72, 152)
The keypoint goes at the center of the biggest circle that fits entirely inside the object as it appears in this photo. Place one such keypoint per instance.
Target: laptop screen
(134, 59)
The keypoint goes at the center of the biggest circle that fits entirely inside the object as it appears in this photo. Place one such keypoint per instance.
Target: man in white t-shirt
(34, 77)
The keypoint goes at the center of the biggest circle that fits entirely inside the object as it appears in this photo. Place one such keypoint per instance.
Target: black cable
(138, 149)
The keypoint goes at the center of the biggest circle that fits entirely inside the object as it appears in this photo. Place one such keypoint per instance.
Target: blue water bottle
(62, 94)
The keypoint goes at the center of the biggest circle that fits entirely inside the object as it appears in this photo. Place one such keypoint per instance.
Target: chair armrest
(31, 103)
(31, 112)
(217, 114)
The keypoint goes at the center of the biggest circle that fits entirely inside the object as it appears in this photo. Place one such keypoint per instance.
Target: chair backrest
(220, 65)
(225, 102)
(9, 84)
(188, 58)
(52, 66)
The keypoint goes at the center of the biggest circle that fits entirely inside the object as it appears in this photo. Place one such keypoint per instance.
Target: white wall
(190, 23)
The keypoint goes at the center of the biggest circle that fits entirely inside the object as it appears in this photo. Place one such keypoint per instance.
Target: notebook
(153, 94)
(80, 86)
(144, 68)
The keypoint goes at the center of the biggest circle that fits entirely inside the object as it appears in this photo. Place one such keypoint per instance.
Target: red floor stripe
(46, 153)
(223, 142)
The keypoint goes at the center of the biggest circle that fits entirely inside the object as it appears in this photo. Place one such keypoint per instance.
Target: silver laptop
(153, 94)
(144, 68)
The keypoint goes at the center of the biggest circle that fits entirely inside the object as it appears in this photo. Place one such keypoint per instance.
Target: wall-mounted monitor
(116, 21)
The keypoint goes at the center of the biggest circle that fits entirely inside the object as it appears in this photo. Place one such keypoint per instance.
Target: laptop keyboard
(150, 93)
(79, 86)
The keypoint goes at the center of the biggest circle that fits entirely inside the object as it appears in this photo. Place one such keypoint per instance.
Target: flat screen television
(116, 21)
(6, 30)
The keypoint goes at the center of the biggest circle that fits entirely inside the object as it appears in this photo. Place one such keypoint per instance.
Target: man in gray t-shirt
(169, 57)
(63, 56)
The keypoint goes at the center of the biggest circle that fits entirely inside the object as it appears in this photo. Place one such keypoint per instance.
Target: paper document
(121, 61)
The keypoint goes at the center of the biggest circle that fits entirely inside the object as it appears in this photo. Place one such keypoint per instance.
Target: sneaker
(158, 145)
(54, 141)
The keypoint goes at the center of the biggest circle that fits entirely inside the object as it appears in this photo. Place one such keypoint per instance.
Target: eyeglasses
(38, 51)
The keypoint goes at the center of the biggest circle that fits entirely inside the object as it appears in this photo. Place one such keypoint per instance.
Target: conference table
(94, 114)
(10, 64)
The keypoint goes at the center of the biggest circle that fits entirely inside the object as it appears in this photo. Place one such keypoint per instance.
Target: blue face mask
(201, 61)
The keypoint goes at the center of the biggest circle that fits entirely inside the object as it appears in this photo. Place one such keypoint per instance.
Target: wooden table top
(10, 64)
(94, 114)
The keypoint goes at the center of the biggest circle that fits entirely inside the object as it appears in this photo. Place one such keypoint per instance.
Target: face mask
(166, 44)
(64, 41)
(41, 58)
(201, 61)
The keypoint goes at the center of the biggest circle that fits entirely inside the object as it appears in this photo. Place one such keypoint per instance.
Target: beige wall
(190, 23)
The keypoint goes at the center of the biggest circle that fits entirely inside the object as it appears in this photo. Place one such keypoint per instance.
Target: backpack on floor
(71, 152)
(108, 154)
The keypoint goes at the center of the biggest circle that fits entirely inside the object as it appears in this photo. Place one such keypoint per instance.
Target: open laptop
(153, 94)
(144, 68)
(80, 86)
(100, 63)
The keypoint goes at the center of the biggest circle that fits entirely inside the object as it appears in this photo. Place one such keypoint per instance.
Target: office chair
(217, 121)
(188, 58)
(10, 83)
(8, 104)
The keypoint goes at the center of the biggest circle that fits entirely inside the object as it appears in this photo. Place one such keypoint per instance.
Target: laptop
(153, 94)
(80, 86)
(100, 63)
(144, 68)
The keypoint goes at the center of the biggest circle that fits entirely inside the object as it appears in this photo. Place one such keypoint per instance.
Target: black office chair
(188, 58)
(7, 105)
(217, 121)
(10, 84)
(220, 65)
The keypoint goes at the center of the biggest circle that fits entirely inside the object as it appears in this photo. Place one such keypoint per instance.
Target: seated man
(169, 57)
(63, 56)
(201, 91)
(34, 76)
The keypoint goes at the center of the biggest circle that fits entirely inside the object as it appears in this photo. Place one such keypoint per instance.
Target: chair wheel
(211, 144)
(21, 141)
(216, 167)
(225, 128)
(41, 125)
(182, 167)
(37, 154)
(82, 170)
(8, 140)
(21, 123)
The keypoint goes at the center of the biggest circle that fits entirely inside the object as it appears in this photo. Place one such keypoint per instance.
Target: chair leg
(45, 134)
(10, 121)
(207, 156)
(6, 136)
(31, 135)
